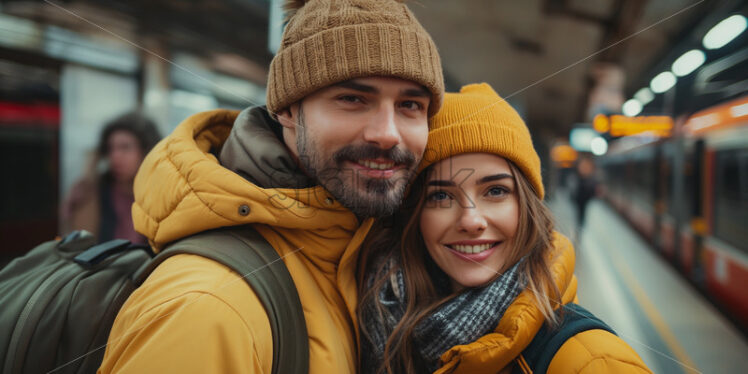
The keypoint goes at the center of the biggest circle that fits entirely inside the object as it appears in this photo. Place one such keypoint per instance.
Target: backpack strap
(574, 320)
(243, 250)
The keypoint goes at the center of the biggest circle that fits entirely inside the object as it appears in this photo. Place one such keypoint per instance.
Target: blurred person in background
(101, 201)
(585, 190)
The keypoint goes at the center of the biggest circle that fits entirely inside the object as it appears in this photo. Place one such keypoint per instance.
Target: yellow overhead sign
(618, 125)
(601, 123)
(564, 155)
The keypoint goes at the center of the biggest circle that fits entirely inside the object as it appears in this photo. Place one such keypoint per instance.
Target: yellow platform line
(651, 311)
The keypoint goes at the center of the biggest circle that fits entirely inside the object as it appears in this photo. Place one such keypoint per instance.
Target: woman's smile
(473, 250)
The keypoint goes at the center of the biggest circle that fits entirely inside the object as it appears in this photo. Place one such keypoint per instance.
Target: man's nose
(382, 129)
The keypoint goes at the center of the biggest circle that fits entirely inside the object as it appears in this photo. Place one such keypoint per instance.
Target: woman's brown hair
(399, 236)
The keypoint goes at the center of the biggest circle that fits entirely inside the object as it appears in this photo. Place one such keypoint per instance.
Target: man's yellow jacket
(193, 315)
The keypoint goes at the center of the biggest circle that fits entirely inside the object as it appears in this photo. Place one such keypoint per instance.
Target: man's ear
(287, 119)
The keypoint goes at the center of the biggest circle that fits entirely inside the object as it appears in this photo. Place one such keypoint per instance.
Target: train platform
(624, 282)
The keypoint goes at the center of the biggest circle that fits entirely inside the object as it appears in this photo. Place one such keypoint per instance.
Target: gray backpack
(59, 301)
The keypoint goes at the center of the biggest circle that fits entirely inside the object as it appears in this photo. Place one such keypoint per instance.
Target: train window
(629, 167)
(729, 179)
(689, 184)
(30, 190)
(619, 176)
(632, 168)
(666, 189)
(646, 180)
(731, 197)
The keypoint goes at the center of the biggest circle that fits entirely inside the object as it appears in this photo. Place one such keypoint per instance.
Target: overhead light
(725, 31)
(739, 110)
(598, 146)
(154, 98)
(705, 121)
(688, 62)
(601, 123)
(193, 101)
(662, 82)
(645, 96)
(631, 108)
(19, 32)
(581, 138)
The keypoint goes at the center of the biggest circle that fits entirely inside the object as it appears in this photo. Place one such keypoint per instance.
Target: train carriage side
(631, 173)
(716, 242)
(688, 196)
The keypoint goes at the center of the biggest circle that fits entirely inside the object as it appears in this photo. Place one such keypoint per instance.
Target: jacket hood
(256, 152)
(181, 187)
(520, 322)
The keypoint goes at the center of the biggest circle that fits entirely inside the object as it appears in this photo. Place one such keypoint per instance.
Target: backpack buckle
(100, 252)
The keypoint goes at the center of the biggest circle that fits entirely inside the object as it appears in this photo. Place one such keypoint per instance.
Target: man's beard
(378, 198)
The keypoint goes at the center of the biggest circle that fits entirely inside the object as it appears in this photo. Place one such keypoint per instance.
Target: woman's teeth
(471, 248)
(376, 165)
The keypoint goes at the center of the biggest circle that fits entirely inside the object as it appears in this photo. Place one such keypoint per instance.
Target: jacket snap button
(244, 210)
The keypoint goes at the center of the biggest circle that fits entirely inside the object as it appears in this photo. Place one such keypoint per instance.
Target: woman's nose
(472, 221)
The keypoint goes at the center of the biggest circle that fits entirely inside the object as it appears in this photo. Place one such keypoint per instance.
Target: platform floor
(629, 286)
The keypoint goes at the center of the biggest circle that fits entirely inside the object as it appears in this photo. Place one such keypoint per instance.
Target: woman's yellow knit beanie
(477, 119)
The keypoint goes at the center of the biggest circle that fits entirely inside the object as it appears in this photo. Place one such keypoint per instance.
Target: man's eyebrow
(493, 178)
(357, 86)
(416, 92)
(440, 182)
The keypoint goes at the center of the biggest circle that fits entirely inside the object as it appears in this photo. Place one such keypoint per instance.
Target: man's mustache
(355, 153)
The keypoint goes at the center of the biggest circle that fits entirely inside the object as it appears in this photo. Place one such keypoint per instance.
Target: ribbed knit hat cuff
(304, 67)
(474, 137)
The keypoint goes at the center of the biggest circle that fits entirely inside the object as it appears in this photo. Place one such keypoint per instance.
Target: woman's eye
(438, 196)
(497, 191)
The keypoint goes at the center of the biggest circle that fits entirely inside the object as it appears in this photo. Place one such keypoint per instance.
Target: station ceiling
(540, 54)
(543, 54)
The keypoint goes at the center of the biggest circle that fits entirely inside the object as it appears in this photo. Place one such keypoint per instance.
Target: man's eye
(412, 105)
(350, 99)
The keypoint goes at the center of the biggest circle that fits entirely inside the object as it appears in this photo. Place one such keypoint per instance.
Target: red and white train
(688, 195)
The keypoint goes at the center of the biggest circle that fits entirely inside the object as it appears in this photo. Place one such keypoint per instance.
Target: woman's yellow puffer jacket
(193, 315)
(592, 351)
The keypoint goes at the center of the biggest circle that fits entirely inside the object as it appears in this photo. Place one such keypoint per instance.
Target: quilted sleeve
(597, 351)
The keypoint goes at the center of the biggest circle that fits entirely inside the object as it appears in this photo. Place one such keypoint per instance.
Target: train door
(641, 210)
(725, 256)
(669, 221)
(29, 143)
(658, 195)
(700, 180)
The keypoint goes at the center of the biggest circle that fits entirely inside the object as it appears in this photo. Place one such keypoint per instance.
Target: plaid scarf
(463, 319)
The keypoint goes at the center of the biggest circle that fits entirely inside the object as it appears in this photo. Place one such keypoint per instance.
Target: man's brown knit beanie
(331, 41)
